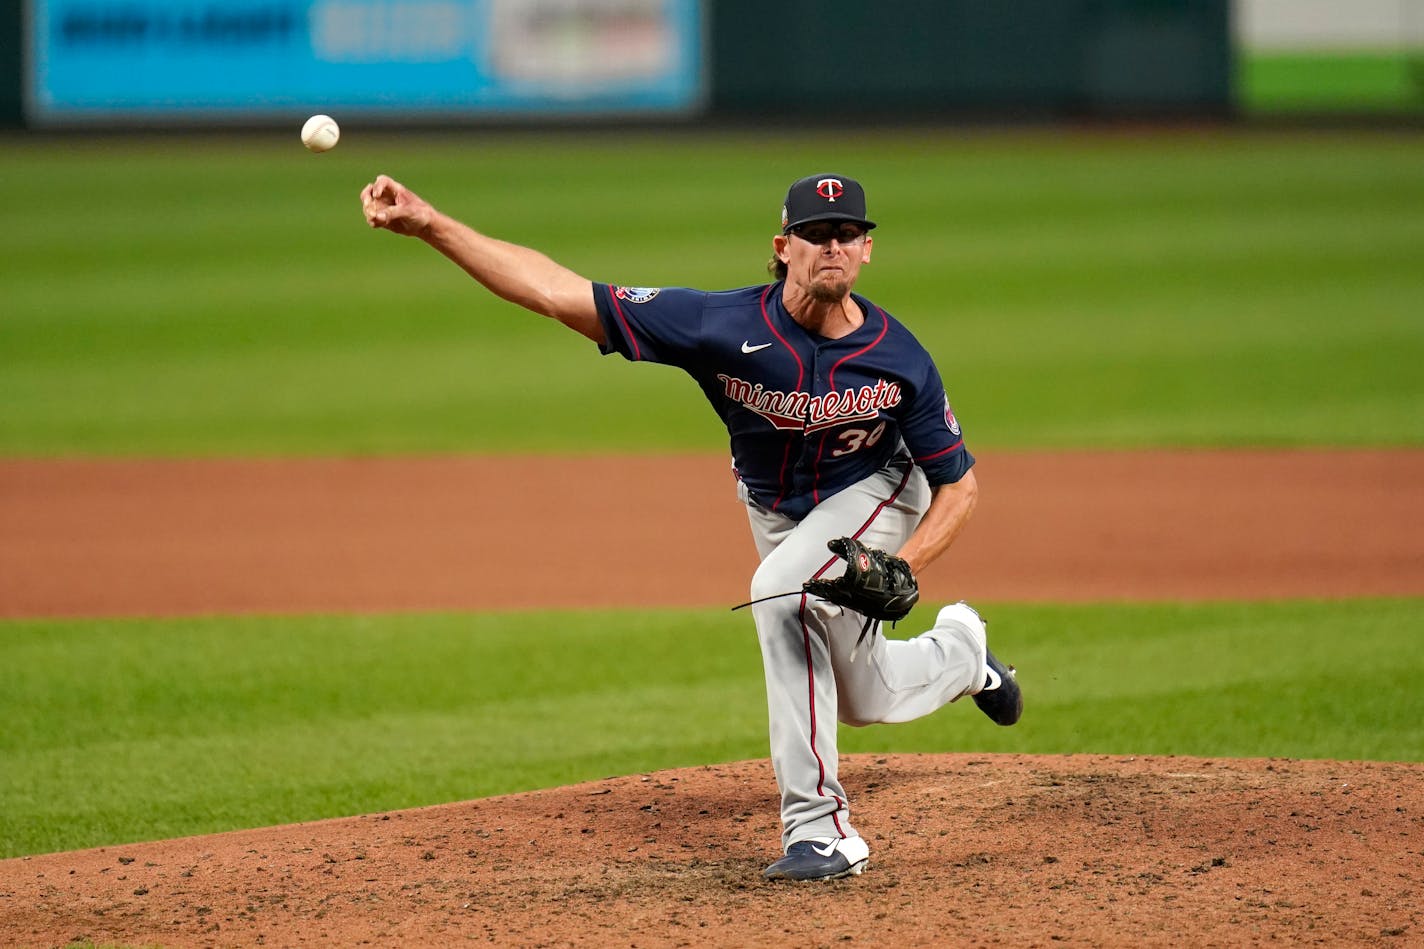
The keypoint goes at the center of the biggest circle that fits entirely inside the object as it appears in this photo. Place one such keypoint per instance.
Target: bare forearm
(518, 274)
(948, 512)
(521, 275)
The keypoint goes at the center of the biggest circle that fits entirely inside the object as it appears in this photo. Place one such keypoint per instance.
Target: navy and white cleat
(821, 858)
(1000, 699)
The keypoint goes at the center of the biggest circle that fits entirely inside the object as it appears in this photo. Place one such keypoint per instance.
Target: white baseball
(320, 133)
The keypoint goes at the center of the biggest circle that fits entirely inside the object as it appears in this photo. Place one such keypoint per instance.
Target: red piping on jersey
(831, 384)
(806, 644)
(637, 353)
(884, 328)
(800, 375)
(942, 451)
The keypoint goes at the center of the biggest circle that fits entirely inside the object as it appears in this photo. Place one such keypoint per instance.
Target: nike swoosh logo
(830, 847)
(747, 347)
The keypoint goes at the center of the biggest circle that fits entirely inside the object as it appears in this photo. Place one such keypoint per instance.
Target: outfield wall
(11, 65)
(123, 63)
(928, 58)
(201, 62)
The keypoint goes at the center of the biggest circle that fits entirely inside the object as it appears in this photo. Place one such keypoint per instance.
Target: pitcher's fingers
(384, 187)
(373, 210)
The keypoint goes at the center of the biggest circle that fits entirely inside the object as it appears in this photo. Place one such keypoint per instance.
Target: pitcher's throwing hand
(389, 204)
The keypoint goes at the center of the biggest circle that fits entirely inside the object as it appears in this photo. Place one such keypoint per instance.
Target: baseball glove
(877, 585)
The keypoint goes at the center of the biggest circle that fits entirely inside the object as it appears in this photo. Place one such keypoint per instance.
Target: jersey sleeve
(933, 435)
(645, 324)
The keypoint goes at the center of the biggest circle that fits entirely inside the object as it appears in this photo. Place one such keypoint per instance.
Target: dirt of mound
(966, 849)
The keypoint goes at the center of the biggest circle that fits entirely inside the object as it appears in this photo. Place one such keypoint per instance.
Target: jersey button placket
(819, 386)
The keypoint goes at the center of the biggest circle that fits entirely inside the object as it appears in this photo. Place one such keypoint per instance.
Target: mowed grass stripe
(1181, 289)
(126, 730)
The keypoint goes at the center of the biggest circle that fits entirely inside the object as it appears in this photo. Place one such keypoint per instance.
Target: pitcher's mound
(965, 849)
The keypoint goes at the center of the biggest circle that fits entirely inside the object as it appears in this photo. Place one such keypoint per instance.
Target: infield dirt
(113, 538)
(965, 849)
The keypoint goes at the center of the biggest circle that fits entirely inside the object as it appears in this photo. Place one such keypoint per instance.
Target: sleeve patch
(949, 418)
(636, 294)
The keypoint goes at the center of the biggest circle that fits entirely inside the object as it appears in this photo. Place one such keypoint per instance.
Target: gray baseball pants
(807, 646)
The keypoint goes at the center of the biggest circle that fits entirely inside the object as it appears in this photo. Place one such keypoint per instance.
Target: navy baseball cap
(824, 198)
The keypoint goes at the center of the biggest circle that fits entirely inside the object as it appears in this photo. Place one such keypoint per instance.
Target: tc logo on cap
(824, 196)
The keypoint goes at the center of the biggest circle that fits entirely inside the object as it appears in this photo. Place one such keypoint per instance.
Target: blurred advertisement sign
(215, 60)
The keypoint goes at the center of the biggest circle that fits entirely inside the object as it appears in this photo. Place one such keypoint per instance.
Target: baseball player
(848, 459)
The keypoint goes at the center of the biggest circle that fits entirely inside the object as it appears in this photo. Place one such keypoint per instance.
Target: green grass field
(210, 295)
(197, 295)
(132, 730)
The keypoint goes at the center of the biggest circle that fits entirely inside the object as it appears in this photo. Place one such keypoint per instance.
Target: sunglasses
(823, 232)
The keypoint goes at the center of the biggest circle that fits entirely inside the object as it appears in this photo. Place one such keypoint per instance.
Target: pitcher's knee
(858, 714)
(769, 582)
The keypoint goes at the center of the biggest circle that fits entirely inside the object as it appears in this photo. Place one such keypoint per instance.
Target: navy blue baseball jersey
(807, 416)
